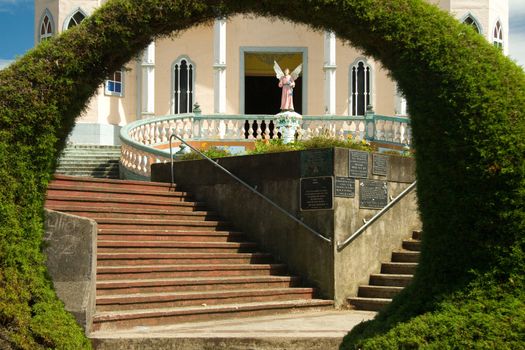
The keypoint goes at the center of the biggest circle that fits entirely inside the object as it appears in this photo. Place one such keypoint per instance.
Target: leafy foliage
(277, 145)
(467, 105)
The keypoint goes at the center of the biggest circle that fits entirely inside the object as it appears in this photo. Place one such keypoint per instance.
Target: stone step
(125, 202)
(160, 198)
(174, 247)
(179, 236)
(86, 168)
(405, 256)
(381, 292)
(157, 217)
(110, 189)
(90, 146)
(128, 319)
(137, 212)
(201, 298)
(60, 179)
(110, 287)
(390, 280)
(64, 163)
(412, 245)
(192, 270)
(94, 174)
(400, 268)
(369, 304)
(62, 201)
(137, 259)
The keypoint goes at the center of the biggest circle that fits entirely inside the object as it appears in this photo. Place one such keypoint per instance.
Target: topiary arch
(467, 105)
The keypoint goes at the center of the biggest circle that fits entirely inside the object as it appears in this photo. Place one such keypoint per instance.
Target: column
(219, 65)
(148, 82)
(329, 72)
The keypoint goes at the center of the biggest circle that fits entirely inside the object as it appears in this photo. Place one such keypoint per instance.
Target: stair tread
(184, 255)
(127, 200)
(182, 280)
(141, 243)
(206, 294)
(115, 189)
(191, 267)
(392, 275)
(114, 210)
(117, 182)
(371, 286)
(130, 314)
(371, 300)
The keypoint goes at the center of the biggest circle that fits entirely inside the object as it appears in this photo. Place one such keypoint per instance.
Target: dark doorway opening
(263, 96)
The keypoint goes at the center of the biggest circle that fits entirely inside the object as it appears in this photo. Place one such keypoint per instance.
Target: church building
(227, 68)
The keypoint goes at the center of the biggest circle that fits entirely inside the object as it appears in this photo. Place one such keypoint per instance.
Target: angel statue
(287, 83)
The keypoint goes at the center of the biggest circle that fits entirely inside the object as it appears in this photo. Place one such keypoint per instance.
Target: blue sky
(16, 29)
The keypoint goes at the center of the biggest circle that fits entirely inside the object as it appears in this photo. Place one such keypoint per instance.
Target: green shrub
(467, 106)
(212, 152)
(277, 145)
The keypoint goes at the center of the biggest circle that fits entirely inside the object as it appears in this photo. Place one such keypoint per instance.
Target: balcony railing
(141, 139)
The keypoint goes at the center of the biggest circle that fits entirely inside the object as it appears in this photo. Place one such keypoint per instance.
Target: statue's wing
(278, 71)
(297, 71)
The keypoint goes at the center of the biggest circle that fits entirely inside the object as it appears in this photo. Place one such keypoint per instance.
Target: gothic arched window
(75, 19)
(469, 20)
(498, 35)
(46, 27)
(360, 83)
(183, 86)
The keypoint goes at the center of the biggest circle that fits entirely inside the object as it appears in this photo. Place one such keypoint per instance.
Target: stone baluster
(187, 129)
(258, 132)
(250, 130)
(222, 129)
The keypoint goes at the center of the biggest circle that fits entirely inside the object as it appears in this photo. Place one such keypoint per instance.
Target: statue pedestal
(288, 123)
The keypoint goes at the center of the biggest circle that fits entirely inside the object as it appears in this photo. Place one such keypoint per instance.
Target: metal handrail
(377, 216)
(215, 163)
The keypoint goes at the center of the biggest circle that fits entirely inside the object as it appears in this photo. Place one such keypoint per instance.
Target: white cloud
(11, 5)
(5, 63)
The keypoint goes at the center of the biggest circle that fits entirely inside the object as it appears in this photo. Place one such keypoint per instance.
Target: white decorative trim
(219, 66)
(351, 83)
(476, 21)
(147, 86)
(172, 90)
(330, 73)
(68, 18)
(45, 13)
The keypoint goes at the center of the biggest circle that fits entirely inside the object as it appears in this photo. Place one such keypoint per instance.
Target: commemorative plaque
(317, 193)
(358, 167)
(379, 164)
(373, 194)
(317, 162)
(344, 187)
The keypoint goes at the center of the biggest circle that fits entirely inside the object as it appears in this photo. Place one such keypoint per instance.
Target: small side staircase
(90, 160)
(162, 258)
(394, 276)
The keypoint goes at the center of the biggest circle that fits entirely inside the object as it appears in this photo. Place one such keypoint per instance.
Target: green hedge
(466, 101)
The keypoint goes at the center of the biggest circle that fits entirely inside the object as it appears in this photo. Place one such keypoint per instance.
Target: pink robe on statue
(287, 84)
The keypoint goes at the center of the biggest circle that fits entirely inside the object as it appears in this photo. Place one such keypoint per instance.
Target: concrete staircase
(394, 276)
(90, 160)
(163, 258)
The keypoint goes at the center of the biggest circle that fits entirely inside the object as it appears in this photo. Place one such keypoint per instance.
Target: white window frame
(498, 39)
(174, 93)
(108, 92)
(70, 17)
(46, 36)
(353, 87)
(474, 20)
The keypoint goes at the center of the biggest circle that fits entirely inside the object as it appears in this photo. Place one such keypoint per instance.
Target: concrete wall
(71, 262)
(337, 274)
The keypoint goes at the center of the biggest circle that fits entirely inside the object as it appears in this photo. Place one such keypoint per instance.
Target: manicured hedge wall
(467, 105)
